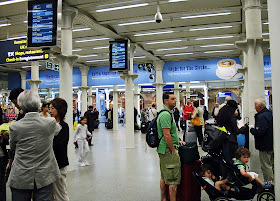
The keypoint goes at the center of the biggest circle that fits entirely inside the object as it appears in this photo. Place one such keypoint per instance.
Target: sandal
(267, 184)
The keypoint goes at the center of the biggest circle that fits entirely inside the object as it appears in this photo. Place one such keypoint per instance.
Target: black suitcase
(144, 126)
(109, 124)
(95, 123)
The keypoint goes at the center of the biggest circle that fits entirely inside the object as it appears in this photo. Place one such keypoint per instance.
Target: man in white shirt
(152, 113)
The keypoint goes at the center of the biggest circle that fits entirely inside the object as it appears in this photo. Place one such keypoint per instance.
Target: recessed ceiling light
(102, 47)
(89, 40)
(90, 55)
(25, 21)
(172, 1)
(153, 33)
(220, 51)
(167, 41)
(10, 2)
(76, 50)
(214, 37)
(17, 37)
(205, 15)
(99, 60)
(217, 45)
(140, 57)
(5, 24)
(266, 23)
(82, 29)
(208, 28)
(172, 48)
(122, 7)
(178, 54)
(138, 22)
(265, 34)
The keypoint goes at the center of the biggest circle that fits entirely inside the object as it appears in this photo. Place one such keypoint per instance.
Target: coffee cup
(226, 67)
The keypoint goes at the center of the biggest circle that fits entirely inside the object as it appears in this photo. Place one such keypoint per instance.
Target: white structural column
(90, 96)
(206, 98)
(137, 100)
(253, 46)
(159, 83)
(176, 91)
(23, 75)
(107, 97)
(274, 29)
(97, 100)
(84, 87)
(245, 103)
(129, 106)
(66, 73)
(115, 107)
(187, 92)
(34, 81)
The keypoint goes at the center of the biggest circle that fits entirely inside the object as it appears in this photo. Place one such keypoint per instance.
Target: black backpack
(152, 138)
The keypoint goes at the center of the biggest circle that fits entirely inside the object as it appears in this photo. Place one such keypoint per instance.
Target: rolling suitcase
(96, 123)
(144, 126)
(109, 124)
(190, 134)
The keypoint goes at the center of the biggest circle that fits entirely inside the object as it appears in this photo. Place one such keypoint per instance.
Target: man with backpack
(152, 113)
(170, 165)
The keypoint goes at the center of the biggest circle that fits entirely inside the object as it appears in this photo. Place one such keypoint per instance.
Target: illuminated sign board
(16, 51)
(42, 23)
(118, 55)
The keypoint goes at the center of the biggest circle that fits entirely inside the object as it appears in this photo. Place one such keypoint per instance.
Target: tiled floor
(116, 173)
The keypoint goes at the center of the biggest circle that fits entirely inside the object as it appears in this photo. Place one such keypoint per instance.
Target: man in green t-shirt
(170, 165)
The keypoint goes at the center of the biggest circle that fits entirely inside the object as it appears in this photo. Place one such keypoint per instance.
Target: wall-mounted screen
(119, 55)
(42, 23)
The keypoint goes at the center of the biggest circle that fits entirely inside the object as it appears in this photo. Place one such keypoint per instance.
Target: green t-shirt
(164, 121)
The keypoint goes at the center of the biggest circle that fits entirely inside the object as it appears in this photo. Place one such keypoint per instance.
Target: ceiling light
(178, 54)
(205, 15)
(214, 37)
(26, 66)
(265, 34)
(99, 60)
(209, 52)
(172, 48)
(25, 21)
(76, 50)
(194, 82)
(90, 55)
(172, 1)
(139, 22)
(89, 40)
(208, 28)
(217, 45)
(5, 24)
(82, 29)
(122, 7)
(153, 33)
(140, 57)
(266, 23)
(166, 41)
(17, 37)
(98, 48)
(10, 2)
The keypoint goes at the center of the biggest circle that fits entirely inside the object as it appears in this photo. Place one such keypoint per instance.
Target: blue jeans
(2, 183)
(42, 194)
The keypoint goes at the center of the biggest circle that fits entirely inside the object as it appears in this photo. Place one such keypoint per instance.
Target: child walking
(80, 137)
(242, 158)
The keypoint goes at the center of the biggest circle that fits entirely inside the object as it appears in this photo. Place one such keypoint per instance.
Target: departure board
(118, 56)
(42, 23)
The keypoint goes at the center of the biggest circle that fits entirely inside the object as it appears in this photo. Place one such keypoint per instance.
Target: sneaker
(82, 164)
(267, 184)
(87, 163)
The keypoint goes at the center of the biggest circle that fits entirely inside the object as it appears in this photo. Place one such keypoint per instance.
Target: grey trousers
(267, 165)
(42, 194)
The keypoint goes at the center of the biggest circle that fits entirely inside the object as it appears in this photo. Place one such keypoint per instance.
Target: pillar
(107, 97)
(98, 100)
(244, 95)
(115, 107)
(137, 100)
(90, 96)
(66, 73)
(159, 83)
(23, 75)
(176, 91)
(253, 47)
(206, 98)
(129, 106)
(34, 81)
(84, 88)
(274, 29)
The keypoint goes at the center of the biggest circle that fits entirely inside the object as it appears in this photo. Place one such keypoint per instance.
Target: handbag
(195, 121)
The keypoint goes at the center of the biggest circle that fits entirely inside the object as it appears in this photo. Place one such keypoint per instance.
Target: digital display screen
(42, 23)
(118, 55)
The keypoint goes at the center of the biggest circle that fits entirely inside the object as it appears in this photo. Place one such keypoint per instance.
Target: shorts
(170, 167)
(253, 174)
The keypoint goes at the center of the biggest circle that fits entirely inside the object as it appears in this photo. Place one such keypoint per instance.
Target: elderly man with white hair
(34, 168)
(263, 134)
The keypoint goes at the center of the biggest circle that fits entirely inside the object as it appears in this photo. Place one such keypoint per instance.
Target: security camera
(158, 17)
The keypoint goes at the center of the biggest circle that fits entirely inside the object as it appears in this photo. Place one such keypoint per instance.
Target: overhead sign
(16, 51)
(118, 55)
(52, 66)
(223, 94)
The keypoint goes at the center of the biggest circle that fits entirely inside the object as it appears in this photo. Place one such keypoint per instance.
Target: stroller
(219, 158)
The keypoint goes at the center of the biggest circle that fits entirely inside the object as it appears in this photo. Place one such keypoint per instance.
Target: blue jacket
(263, 131)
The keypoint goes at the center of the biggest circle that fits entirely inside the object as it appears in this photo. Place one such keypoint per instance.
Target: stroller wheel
(266, 196)
(221, 199)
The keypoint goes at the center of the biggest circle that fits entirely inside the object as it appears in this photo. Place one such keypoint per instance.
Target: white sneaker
(82, 164)
(87, 163)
